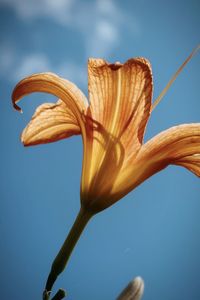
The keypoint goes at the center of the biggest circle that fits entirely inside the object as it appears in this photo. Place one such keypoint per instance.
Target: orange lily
(112, 126)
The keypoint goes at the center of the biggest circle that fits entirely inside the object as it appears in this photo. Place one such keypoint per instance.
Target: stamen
(174, 77)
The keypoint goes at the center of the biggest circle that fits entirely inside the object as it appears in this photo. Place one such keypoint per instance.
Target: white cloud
(30, 64)
(106, 30)
(14, 68)
(100, 22)
(102, 39)
(7, 58)
(105, 6)
(56, 9)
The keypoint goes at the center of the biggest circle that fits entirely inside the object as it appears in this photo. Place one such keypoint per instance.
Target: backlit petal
(51, 122)
(179, 145)
(120, 97)
(120, 103)
(191, 162)
(53, 84)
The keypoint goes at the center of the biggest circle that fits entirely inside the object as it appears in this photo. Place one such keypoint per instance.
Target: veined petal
(120, 97)
(191, 162)
(51, 122)
(179, 145)
(120, 103)
(53, 84)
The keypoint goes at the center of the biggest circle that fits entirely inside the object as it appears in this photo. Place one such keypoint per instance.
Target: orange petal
(173, 145)
(120, 97)
(120, 103)
(50, 122)
(179, 145)
(191, 162)
(53, 84)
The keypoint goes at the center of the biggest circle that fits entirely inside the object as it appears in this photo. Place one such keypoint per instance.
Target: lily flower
(112, 125)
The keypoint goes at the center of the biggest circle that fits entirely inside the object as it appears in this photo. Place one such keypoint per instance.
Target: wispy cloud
(30, 64)
(14, 68)
(102, 39)
(7, 58)
(101, 22)
(58, 10)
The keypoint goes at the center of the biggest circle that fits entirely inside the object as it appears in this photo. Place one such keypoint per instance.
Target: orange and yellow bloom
(112, 128)
(112, 125)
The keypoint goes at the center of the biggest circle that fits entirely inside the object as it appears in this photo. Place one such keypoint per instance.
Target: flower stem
(63, 255)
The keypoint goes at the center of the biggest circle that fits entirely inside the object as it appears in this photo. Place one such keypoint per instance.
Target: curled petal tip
(17, 108)
(23, 142)
(14, 100)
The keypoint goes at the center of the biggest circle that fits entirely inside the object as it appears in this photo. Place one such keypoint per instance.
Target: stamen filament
(156, 102)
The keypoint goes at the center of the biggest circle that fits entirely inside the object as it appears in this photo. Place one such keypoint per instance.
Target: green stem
(64, 254)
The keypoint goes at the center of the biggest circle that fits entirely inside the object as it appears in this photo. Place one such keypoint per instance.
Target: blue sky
(154, 231)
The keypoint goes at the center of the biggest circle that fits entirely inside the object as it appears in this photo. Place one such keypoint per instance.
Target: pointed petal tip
(28, 143)
(15, 99)
(25, 145)
(16, 107)
(23, 141)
